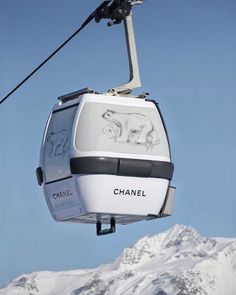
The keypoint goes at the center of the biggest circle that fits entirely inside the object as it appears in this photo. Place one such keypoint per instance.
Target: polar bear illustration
(56, 143)
(130, 128)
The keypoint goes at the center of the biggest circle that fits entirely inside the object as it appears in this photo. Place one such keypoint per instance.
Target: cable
(85, 23)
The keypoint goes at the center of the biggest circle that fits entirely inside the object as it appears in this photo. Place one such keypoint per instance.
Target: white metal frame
(134, 80)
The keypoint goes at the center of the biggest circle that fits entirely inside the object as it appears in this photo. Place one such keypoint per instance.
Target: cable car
(105, 157)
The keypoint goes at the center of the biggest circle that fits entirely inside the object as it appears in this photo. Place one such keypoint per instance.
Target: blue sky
(187, 57)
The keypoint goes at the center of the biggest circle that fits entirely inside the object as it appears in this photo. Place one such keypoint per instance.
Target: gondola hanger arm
(118, 11)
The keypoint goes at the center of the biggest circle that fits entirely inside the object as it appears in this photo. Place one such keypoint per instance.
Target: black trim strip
(65, 108)
(53, 181)
(122, 166)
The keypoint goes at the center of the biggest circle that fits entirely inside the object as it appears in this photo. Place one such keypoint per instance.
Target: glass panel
(56, 162)
(121, 129)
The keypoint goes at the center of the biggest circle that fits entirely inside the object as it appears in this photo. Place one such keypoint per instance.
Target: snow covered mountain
(176, 262)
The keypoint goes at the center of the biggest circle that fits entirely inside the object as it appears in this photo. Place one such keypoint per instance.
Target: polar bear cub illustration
(130, 127)
(56, 143)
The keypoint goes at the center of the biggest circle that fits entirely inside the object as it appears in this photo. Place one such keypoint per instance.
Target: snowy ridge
(176, 262)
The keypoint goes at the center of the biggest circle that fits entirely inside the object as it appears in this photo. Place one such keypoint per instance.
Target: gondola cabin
(106, 159)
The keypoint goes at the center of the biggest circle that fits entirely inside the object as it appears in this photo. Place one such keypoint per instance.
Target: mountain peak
(160, 245)
(178, 261)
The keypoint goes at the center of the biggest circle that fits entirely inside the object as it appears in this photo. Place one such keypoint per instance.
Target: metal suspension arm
(134, 78)
(122, 10)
